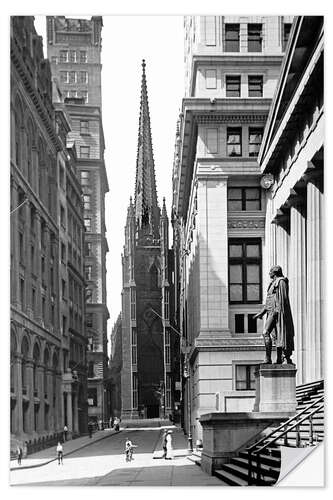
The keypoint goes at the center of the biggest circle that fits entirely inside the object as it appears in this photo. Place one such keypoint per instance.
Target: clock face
(267, 181)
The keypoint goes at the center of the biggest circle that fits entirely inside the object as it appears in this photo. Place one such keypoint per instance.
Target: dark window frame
(244, 197)
(234, 131)
(244, 261)
(285, 34)
(247, 380)
(255, 131)
(254, 37)
(232, 44)
(233, 86)
(255, 86)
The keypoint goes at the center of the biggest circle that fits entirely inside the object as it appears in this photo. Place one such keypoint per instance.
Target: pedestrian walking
(164, 444)
(65, 432)
(111, 422)
(60, 453)
(19, 453)
(116, 424)
(129, 450)
(169, 449)
(90, 428)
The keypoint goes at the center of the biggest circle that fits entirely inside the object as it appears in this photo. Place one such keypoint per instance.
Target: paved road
(103, 463)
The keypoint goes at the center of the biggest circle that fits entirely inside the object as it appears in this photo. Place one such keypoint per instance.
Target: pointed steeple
(147, 212)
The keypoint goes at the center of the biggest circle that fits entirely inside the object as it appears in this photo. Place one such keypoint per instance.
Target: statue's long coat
(284, 321)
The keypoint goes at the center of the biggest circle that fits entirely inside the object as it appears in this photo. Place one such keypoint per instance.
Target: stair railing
(285, 425)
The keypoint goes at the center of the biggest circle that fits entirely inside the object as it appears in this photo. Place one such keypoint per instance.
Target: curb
(65, 454)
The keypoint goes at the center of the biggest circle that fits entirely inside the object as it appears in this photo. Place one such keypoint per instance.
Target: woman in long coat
(169, 449)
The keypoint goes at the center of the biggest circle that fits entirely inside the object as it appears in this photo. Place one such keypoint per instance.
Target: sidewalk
(179, 443)
(48, 455)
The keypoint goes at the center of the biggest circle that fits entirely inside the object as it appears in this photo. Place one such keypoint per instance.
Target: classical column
(76, 414)
(18, 390)
(69, 411)
(28, 268)
(315, 324)
(297, 277)
(41, 415)
(14, 285)
(30, 394)
(38, 307)
(282, 247)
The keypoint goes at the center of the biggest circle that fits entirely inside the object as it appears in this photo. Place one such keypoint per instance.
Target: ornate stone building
(45, 391)
(74, 49)
(232, 65)
(292, 159)
(149, 346)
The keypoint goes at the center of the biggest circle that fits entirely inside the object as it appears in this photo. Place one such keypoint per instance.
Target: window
(244, 198)
(254, 37)
(84, 94)
(72, 56)
(232, 37)
(88, 270)
(133, 304)
(239, 323)
(245, 380)
(84, 127)
(88, 295)
(92, 392)
(63, 289)
(62, 216)
(83, 56)
(255, 86)
(286, 33)
(87, 224)
(89, 320)
(234, 141)
(251, 324)
(90, 344)
(63, 252)
(244, 271)
(167, 347)
(43, 309)
(63, 57)
(54, 60)
(84, 151)
(33, 299)
(134, 346)
(255, 139)
(64, 324)
(88, 249)
(83, 77)
(233, 86)
(71, 77)
(64, 76)
(84, 178)
(86, 201)
(22, 298)
(135, 390)
(168, 391)
(210, 78)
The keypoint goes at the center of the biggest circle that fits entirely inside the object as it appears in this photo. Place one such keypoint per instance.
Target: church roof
(147, 212)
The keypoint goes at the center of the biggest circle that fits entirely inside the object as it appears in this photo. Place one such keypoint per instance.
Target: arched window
(54, 378)
(153, 274)
(13, 350)
(29, 146)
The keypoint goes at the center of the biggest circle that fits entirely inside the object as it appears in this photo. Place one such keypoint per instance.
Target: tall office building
(74, 49)
(232, 66)
(48, 365)
(149, 346)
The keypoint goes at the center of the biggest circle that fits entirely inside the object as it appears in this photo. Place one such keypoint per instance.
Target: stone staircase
(236, 473)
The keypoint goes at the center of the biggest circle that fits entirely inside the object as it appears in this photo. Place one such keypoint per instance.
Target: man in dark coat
(279, 322)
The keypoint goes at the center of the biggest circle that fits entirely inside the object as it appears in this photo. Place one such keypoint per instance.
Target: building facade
(292, 160)
(74, 49)
(115, 367)
(232, 65)
(149, 347)
(42, 382)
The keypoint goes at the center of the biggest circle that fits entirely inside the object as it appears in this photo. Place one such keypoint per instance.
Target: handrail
(283, 433)
(250, 448)
(289, 429)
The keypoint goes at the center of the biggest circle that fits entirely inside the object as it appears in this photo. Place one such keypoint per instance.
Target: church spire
(147, 212)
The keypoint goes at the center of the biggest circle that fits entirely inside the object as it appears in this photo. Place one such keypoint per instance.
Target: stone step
(239, 475)
(267, 470)
(268, 458)
(229, 478)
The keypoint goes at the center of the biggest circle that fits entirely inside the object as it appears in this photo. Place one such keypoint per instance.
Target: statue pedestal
(275, 388)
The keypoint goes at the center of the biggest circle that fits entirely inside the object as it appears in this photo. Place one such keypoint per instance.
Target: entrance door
(153, 411)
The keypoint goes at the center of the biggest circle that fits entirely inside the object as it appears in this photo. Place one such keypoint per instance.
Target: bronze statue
(279, 322)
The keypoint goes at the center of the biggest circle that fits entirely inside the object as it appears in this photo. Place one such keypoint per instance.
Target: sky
(126, 40)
